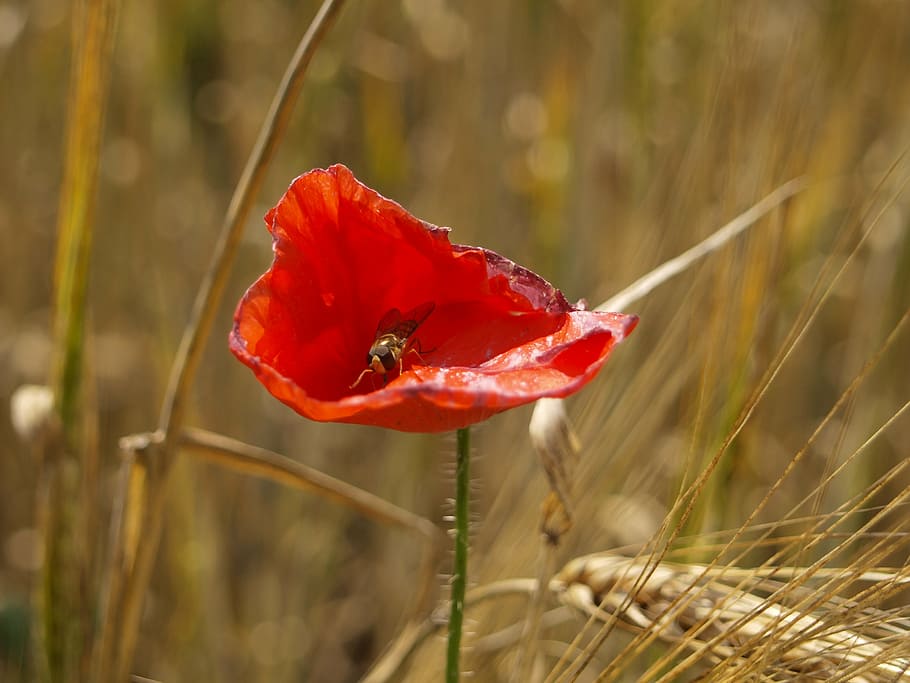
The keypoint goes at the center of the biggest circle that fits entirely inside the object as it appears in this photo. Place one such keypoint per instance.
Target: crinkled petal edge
(439, 402)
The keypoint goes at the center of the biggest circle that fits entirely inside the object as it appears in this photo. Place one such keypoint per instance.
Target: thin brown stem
(145, 504)
(212, 288)
(416, 632)
(530, 631)
(259, 462)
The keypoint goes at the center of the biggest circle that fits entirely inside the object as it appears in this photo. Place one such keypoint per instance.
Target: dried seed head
(557, 447)
(32, 411)
(712, 611)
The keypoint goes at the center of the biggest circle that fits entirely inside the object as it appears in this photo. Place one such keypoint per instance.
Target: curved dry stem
(416, 633)
(645, 638)
(212, 288)
(124, 608)
(551, 433)
(806, 600)
(685, 502)
(664, 272)
(551, 412)
(259, 462)
(534, 619)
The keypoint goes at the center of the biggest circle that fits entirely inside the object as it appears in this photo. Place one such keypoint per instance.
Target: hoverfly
(393, 340)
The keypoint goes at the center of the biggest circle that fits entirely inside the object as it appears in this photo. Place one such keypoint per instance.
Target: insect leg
(421, 349)
(360, 377)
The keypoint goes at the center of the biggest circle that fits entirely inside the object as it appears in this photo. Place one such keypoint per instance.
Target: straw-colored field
(587, 140)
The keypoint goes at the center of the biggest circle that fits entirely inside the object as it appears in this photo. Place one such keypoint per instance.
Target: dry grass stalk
(554, 440)
(415, 633)
(253, 461)
(551, 433)
(123, 607)
(727, 623)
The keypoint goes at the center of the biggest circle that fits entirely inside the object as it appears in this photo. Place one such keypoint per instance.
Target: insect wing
(420, 313)
(389, 322)
(411, 320)
(402, 325)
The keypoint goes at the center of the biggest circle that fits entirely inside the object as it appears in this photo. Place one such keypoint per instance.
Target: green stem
(459, 574)
(67, 500)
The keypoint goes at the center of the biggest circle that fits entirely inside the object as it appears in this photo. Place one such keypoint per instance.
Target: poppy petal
(492, 335)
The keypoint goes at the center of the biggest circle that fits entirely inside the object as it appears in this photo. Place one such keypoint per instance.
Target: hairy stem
(459, 575)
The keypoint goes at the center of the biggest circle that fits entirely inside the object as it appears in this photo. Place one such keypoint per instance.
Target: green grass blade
(64, 602)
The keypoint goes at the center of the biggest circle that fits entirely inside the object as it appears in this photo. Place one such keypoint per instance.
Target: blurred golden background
(587, 140)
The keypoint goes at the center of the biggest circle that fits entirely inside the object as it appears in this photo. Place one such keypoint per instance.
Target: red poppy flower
(472, 334)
